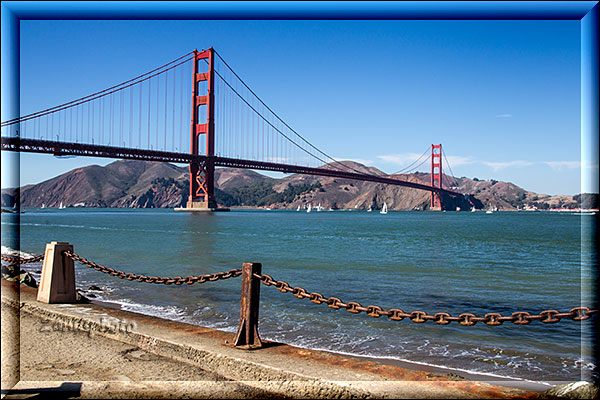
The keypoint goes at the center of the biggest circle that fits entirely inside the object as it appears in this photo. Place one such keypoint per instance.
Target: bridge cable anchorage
(101, 93)
(178, 280)
(440, 318)
(281, 120)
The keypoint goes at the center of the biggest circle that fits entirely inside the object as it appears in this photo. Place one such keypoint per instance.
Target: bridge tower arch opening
(436, 176)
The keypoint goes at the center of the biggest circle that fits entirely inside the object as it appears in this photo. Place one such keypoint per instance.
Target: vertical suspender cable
(166, 106)
(181, 101)
(140, 118)
(157, 105)
(92, 123)
(173, 121)
(131, 117)
(121, 98)
(149, 88)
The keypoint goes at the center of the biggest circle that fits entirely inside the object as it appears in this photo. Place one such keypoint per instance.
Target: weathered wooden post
(57, 283)
(247, 335)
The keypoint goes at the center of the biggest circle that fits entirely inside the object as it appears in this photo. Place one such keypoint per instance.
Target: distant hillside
(141, 184)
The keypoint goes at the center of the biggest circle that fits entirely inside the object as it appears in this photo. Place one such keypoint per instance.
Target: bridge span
(80, 149)
(144, 119)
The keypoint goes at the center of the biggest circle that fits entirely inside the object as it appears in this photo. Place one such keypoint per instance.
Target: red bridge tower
(202, 174)
(436, 175)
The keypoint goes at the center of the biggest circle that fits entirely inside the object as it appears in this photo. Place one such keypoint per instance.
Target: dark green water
(436, 262)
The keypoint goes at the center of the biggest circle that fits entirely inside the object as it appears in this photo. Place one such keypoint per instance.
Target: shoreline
(277, 368)
(456, 373)
(497, 379)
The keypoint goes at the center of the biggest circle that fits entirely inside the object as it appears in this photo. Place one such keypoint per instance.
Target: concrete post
(57, 284)
(247, 335)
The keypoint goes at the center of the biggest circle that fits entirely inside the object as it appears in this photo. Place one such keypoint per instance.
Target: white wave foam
(450, 368)
(17, 253)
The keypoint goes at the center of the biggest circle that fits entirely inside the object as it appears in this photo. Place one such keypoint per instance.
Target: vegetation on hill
(262, 194)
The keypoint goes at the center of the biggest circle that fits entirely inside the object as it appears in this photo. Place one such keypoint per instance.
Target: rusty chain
(178, 280)
(440, 318)
(21, 260)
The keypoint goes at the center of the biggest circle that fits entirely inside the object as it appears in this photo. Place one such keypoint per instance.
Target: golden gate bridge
(150, 117)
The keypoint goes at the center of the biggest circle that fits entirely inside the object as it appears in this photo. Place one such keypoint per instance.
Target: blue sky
(503, 97)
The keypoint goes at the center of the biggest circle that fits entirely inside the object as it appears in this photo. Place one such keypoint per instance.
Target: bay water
(453, 262)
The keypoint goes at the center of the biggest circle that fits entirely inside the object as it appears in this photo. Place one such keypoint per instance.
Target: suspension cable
(99, 94)
(283, 122)
(450, 168)
(408, 166)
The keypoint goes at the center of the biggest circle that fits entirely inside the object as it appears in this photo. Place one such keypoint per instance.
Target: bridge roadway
(90, 150)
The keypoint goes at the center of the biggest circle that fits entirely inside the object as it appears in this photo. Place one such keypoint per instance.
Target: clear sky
(502, 97)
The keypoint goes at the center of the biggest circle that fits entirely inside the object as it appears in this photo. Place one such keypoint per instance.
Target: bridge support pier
(201, 206)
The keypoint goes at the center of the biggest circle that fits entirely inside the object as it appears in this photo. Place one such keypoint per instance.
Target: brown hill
(142, 184)
(124, 183)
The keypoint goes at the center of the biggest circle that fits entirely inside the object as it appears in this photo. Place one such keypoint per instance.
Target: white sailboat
(319, 207)
(370, 209)
(309, 208)
(61, 206)
(384, 209)
(43, 205)
(298, 208)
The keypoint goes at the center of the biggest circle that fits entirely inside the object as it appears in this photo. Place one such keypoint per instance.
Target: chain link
(178, 280)
(440, 318)
(21, 260)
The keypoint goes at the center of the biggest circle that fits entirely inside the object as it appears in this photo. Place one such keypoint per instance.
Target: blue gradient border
(12, 12)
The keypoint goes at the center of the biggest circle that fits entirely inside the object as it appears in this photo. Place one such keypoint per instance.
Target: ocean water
(451, 262)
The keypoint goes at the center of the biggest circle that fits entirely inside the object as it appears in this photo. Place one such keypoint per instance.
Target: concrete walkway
(91, 351)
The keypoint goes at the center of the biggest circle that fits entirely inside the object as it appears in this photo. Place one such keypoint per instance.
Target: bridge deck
(90, 150)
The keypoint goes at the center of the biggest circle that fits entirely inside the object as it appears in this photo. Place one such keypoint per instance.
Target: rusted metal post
(57, 284)
(247, 335)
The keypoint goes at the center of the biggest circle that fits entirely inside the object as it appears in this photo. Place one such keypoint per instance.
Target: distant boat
(370, 209)
(457, 208)
(330, 209)
(384, 209)
(298, 208)
(61, 206)
(489, 210)
(319, 207)
(43, 205)
(309, 208)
